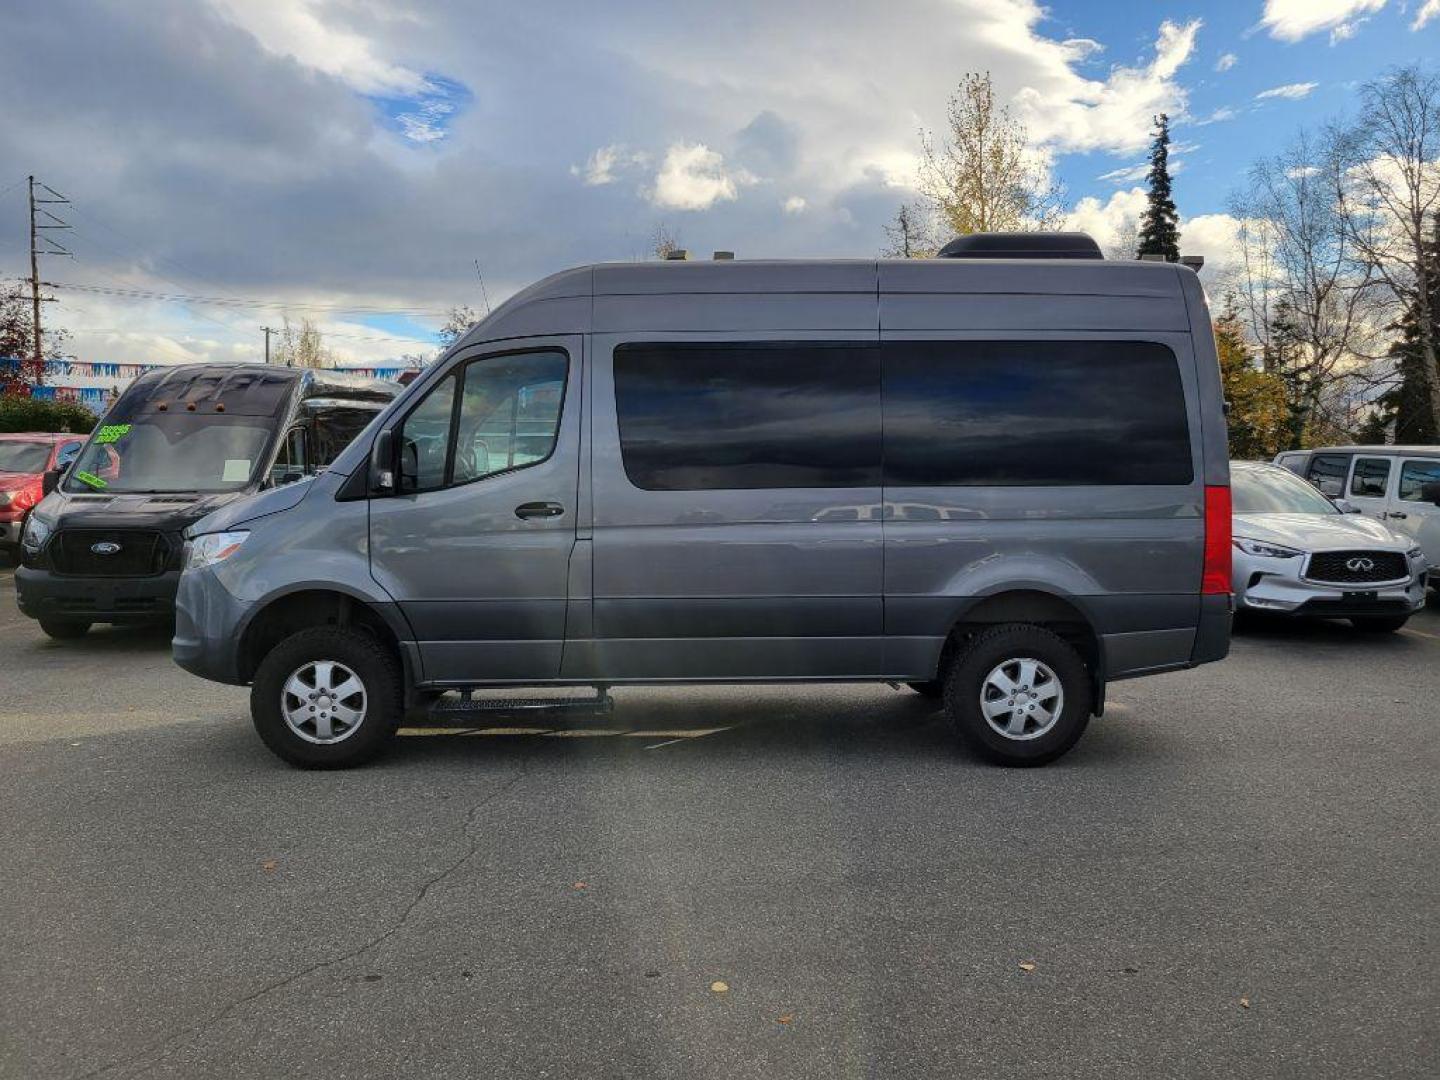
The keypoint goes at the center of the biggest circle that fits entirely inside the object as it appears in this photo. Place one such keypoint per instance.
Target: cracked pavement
(174, 902)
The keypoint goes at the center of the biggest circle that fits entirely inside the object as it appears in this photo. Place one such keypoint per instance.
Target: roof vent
(1022, 245)
(676, 255)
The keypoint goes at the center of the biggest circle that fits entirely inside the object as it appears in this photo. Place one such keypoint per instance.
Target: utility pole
(268, 331)
(37, 354)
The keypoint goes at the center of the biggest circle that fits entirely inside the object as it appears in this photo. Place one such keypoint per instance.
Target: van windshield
(1275, 491)
(172, 453)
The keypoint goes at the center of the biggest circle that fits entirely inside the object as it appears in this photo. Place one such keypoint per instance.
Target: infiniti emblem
(1359, 563)
(105, 547)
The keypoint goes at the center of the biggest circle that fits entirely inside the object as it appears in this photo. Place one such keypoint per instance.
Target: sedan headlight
(37, 531)
(212, 548)
(1265, 551)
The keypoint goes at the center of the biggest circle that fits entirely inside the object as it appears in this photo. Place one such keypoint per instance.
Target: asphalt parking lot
(1233, 875)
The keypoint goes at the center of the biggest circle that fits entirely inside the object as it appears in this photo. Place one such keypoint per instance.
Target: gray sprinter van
(1002, 481)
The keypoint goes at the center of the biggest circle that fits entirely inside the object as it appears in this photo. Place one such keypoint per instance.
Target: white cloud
(295, 28)
(795, 204)
(1225, 112)
(1293, 20)
(1229, 60)
(1126, 174)
(1293, 91)
(600, 168)
(693, 177)
(1428, 10)
(1299, 172)
(1115, 223)
(1069, 112)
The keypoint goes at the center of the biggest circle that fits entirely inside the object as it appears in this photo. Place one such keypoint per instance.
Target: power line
(237, 301)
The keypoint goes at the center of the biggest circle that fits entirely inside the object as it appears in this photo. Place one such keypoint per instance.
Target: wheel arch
(303, 607)
(1064, 615)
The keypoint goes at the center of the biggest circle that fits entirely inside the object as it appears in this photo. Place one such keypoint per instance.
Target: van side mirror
(1430, 491)
(50, 479)
(382, 464)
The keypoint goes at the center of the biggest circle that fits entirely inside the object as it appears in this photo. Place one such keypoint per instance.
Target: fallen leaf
(269, 865)
(579, 885)
(652, 974)
(719, 987)
(787, 1018)
(373, 978)
(1244, 1003)
(1027, 965)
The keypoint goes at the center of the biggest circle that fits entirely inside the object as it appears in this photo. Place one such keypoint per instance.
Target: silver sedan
(1297, 553)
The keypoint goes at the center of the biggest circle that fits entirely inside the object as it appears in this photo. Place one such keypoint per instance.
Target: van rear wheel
(327, 698)
(1018, 695)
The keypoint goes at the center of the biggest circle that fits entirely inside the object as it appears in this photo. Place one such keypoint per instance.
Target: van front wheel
(327, 698)
(1018, 695)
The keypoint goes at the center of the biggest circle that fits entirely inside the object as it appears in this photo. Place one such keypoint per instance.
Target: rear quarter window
(1006, 413)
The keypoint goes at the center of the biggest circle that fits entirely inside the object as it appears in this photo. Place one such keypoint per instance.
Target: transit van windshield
(181, 452)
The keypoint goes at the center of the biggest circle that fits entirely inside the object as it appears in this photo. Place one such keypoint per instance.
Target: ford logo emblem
(105, 547)
(1360, 563)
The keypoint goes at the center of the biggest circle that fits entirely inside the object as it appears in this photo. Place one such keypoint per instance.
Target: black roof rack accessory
(1022, 245)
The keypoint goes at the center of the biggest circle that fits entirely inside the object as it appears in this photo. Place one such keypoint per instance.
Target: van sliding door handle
(1402, 517)
(539, 510)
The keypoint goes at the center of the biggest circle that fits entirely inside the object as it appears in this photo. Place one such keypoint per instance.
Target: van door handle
(1402, 517)
(539, 510)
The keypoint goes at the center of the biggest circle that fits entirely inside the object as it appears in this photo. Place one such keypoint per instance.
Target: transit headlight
(1265, 551)
(212, 548)
(37, 531)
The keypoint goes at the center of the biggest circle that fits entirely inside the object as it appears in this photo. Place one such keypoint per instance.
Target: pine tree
(1406, 405)
(1159, 224)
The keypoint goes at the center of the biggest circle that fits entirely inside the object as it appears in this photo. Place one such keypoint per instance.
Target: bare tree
(303, 346)
(1307, 301)
(457, 324)
(981, 174)
(911, 235)
(1386, 184)
(663, 241)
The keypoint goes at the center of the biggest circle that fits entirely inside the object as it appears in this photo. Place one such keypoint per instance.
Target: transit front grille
(1357, 567)
(122, 552)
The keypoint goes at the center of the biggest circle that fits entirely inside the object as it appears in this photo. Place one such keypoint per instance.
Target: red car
(24, 459)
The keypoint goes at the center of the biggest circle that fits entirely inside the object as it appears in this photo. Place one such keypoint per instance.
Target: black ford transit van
(105, 544)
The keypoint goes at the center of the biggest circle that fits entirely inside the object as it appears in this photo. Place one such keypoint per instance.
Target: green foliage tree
(1257, 416)
(1404, 407)
(1159, 224)
(20, 412)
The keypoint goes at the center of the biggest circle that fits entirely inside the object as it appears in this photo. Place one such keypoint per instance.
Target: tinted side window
(765, 415)
(1328, 467)
(1034, 412)
(335, 429)
(1415, 473)
(1370, 478)
(1294, 462)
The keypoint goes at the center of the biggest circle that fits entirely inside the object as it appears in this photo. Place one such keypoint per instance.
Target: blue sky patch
(425, 117)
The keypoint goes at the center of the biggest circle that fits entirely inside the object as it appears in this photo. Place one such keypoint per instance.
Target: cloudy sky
(351, 160)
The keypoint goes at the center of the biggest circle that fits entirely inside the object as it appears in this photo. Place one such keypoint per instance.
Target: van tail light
(1215, 578)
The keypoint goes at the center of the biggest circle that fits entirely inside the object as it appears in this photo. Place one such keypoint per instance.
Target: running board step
(466, 705)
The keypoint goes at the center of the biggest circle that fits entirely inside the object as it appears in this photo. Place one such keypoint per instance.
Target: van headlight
(1415, 554)
(37, 531)
(1265, 551)
(212, 548)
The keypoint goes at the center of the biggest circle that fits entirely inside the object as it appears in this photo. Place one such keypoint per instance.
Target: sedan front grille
(1357, 567)
(121, 552)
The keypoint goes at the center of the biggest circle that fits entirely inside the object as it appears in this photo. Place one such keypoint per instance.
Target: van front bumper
(45, 595)
(208, 627)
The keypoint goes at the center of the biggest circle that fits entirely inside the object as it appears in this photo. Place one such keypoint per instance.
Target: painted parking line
(1421, 633)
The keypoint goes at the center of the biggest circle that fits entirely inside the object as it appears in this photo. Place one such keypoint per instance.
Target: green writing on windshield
(111, 433)
(91, 479)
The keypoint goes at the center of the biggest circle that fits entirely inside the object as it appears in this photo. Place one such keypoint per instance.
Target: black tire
(934, 688)
(1379, 624)
(972, 665)
(64, 629)
(375, 665)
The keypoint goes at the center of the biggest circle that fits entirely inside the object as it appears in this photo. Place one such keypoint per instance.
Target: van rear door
(477, 541)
